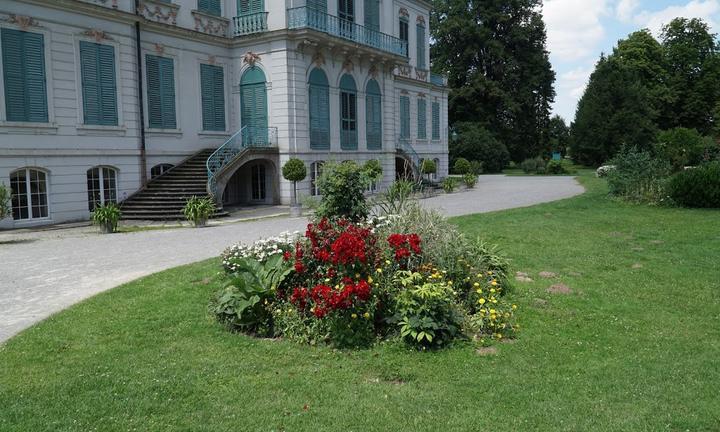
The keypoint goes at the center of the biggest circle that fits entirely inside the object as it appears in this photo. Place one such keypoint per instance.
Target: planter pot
(107, 228)
(295, 210)
(200, 223)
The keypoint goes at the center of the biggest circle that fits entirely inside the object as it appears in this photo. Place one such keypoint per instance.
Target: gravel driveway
(45, 272)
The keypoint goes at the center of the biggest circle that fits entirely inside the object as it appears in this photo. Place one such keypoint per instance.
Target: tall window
(422, 118)
(346, 13)
(101, 186)
(258, 182)
(404, 117)
(348, 113)
(250, 6)
(160, 169)
(373, 115)
(29, 194)
(212, 87)
(319, 105)
(421, 63)
(23, 56)
(253, 106)
(211, 7)
(436, 120)
(372, 14)
(319, 5)
(315, 172)
(405, 32)
(160, 92)
(99, 89)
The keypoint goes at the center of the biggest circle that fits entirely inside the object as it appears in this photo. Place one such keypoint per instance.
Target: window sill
(164, 132)
(89, 129)
(29, 127)
(209, 15)
(213, 134)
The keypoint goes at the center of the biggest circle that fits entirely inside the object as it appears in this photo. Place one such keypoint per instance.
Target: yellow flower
(370, 279)
(499, 336)
(327, 280)
(449, 282)
(514, 307)
(479, 291)
(476, 284)
(481, 301)
(357, 275)
(354, 316)
(492, 290)
(387, 262)
(378, 270)
(492, 311)
(489, 273)
(366, 315)
(493, 283)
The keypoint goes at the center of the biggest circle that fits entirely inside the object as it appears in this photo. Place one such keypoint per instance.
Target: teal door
(253, 108)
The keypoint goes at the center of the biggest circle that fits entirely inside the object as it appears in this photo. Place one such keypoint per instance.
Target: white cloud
(574, 29)
(708, 10)
(625, 9)
(570, 87)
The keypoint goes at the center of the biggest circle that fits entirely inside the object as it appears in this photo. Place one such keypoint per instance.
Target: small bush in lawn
(697, 187)
(556, 167)
(106, 217)
(343, 187)
(529, 166)
(638, 176)
(449, 184)
(462, 166)
(470, 180)
(198, 210)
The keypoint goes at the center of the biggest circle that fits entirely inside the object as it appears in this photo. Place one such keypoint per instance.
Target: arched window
(315, 172)
(29, 194)
(373, 115)
(160, 169)
(101, 186)
(348, 113)
(253, 106)
(319, 101)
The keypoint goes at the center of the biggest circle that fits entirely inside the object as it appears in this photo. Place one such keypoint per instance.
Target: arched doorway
(254, 183)
(403, 169)
(253, 106)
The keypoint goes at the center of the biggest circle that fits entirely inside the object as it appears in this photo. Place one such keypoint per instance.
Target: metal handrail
(248, 137)
(255, 22)
(403, 145)
(307, 17)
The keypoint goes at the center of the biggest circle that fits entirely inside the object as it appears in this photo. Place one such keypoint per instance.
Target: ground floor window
(29, 194)
(258, 182)
(101, 186)
(160, 169)
(315, 172)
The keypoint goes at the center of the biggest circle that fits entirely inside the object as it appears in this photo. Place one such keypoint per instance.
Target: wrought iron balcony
(250, 23)
(438, 80)
(310, 18)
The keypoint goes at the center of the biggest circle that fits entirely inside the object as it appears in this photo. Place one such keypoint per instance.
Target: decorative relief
(420, 74)
(404, 70)
(212, 60)
(404, 92)
(159, 49)
(348, 66)
(374, 72)
(96, 34)
(421, 94)
(113, 3)
(421, 20)
(251, 58)
(22, 21)
(212, 25)
(404, 13)
(158, 11)
(318, 58)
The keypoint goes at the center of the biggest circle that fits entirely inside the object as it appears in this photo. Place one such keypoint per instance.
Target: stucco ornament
(96, 34)
(22, 21)
(250, 58)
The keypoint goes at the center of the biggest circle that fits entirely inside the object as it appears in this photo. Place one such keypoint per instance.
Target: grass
(630, 349)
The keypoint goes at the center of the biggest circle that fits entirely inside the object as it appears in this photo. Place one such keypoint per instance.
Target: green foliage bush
(106, 217)
(428, 167)
(199, 209)
(476, 167)
(343, 187)
(462, 166)
(395, 198)
(294, 170)
(556, 167)
(470, 180)
(449, 184)
(529, 166)
(697, 187)
(373, 169)
(638, 176)
(680, 147)
(5, 197)
(476, 142)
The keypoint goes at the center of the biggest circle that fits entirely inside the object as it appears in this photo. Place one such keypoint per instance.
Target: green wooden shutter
(212, 86)
(436, 120)
(319, 107)
(422, 119)
(24, 75)
(372, 14)
(373, 116)
(250, 6)
(97, 65)
(211, 7)
(161, 92)
(320, 5)
(152, 69)
(421, 47)
(404, 117)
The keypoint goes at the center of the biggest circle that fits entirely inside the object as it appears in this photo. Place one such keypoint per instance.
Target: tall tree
(559, 133)
(498, 67)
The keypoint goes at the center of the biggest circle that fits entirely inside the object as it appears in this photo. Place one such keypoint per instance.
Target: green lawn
(631, 349)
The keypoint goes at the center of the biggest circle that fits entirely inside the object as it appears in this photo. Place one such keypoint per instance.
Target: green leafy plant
(106, 217)
(428, 167)
(680, 147)
(697, 187)
(294, 170)
(462, 166)
(5, 198)
(638, 176)
(449, 184)
(343, 187)
(556, 167)
(529, 166)
(395, 198)
(199, 209)
(470, 180)
(476, 167)
(373, 170)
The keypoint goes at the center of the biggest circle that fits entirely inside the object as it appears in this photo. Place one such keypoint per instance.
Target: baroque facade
(88, 115)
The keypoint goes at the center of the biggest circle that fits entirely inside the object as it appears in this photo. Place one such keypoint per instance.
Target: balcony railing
(250, 23)
(305, 17)
(438, 80)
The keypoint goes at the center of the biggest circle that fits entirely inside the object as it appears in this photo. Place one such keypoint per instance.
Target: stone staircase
(164, 197)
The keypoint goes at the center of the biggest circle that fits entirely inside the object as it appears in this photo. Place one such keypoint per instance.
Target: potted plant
(106, 217)
(5, 197)
(374, 172)
(198, 210)
(428, 167)
(294, 170)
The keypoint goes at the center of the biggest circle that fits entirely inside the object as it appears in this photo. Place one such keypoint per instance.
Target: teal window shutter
(404, 117)
(99, 90)
(348, 113)
(212, 89)
(372, 14)
(320, 5)
(319, 107)
(23, 55)
(160, 92)
(422, 119)
(253, 101)
(373, 115)
(421, 64)
(436, 120)
(211, 7)
(250, 6)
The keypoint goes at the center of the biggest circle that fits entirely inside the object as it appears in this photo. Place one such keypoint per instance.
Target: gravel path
(44, 272)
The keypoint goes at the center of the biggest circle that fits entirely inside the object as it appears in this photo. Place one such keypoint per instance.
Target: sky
(580, 30)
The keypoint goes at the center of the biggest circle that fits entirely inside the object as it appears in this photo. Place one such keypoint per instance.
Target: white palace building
(148, 102)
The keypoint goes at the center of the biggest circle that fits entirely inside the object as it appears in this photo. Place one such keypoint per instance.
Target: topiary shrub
(294, 170)
(697, 187)
(462, 166)
(343, 188)
(428, 167)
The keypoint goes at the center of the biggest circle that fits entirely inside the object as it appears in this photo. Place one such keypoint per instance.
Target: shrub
(470, 180)
(373, 170)
(449, 184)
(638, 176)
(603, 171)
(462, 166)
(5, 197)
(294, 170)
(343, 188)
(556, 167)
(476, 167)
(475, 141)
(198, 210)
(529, 166)
(428, 167)
(106, 217)
(395, 198)
(261, 250)
(680, 147)
(697, 187)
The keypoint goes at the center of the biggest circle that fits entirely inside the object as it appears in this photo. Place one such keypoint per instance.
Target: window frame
(82, 117)
(174, 80)
(214, 127)
(421, 118)
(421, 46)
(28, 195)
(102, 191)
(436, 109)
(348, 113)
(316, 169)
